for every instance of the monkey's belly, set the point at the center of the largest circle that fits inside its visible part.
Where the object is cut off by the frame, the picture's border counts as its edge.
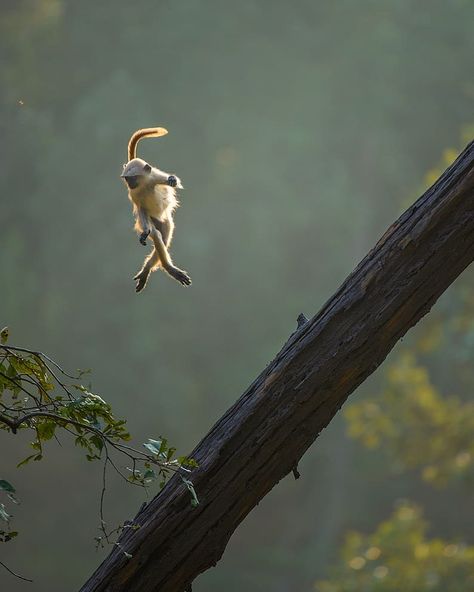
(156, 205)
(154, 208)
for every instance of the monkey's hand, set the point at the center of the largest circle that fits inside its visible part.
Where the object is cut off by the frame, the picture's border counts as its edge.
(143, 237)
(174, 181)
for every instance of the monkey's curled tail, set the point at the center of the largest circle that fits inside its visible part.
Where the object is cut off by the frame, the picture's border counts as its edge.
(147, 132)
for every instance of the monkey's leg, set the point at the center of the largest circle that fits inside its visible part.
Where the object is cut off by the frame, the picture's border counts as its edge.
(178, 274)
(142, 276)
(166, 227)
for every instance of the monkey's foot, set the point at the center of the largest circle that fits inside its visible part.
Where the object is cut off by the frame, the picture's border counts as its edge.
(143, 237)
(141, 280)
(180, 276)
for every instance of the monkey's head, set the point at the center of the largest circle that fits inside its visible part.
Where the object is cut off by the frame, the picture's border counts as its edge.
(135, 172)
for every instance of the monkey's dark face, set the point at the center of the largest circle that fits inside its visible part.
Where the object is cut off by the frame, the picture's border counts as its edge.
(135, 172)
(132, 181)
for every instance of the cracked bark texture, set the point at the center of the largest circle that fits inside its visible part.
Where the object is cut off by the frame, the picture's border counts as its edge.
(262, 436)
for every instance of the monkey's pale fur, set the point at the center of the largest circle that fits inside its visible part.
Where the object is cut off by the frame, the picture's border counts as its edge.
(152, 193)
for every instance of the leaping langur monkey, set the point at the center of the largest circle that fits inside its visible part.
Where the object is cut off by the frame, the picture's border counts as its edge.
(153, 195)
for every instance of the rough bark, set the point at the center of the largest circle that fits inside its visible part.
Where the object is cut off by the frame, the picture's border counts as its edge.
(263, 435)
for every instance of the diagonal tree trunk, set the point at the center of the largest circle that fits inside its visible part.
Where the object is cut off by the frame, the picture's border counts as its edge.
(263, 435)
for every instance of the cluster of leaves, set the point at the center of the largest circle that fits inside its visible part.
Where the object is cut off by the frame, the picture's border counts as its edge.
(419, 427)
(36, 394)
(398, 556)
(425, 429)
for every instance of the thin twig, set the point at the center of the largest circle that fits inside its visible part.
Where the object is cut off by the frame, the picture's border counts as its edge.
(22, 388)
(40, 355)
(15, 574)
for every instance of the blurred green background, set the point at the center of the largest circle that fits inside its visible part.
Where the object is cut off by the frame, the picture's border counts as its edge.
(300, 130)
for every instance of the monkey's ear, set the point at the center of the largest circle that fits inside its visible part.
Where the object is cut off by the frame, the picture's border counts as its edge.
(147, 168)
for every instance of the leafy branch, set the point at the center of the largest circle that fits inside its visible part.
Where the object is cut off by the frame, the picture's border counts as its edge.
(36, 394)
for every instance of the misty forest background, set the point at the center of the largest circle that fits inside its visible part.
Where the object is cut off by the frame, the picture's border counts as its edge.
(301, 130)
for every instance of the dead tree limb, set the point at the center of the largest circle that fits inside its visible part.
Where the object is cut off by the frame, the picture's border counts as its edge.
(263, 435)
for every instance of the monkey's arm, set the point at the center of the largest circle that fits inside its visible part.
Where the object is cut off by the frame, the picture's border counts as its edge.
(162, 178)
(165, 227)
(144, 224)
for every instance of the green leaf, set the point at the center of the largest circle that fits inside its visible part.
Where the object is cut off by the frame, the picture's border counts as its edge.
(184, 461)
(149, 475)
(11, 372)
(81, 441)
(151, 448)
(8, 536)
(4, 515)
(45, 429)
(190, 486)
(6, 486)
(159, 448)
(97, 441)
(25, 461)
